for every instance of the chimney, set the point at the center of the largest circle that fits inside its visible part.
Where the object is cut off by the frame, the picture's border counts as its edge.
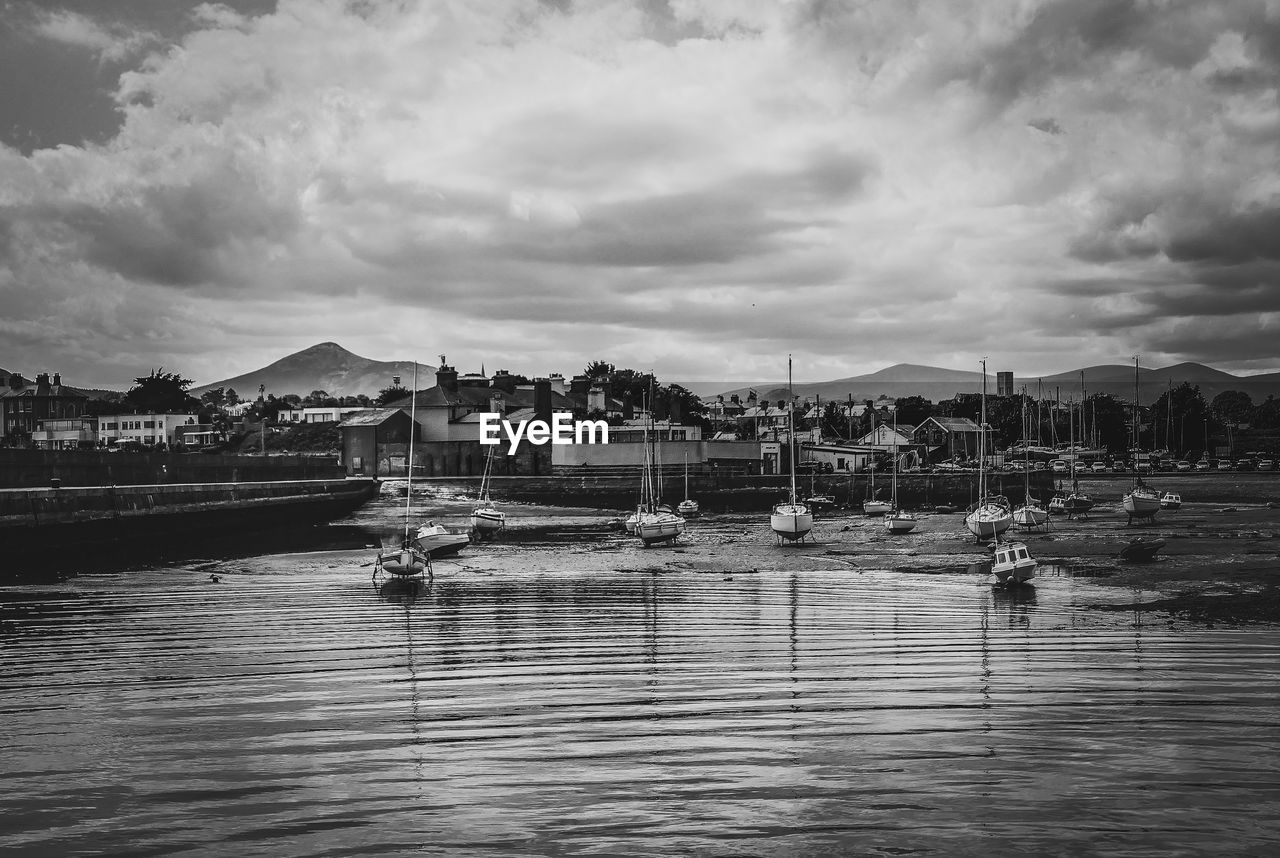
(579, 387)
(628, 406)
(504, 381)
(542, 399)
(16, 381)
(558, 383)
(735, 399)
(447, 376)
(596, 400)
(57, 379)
(497, 403)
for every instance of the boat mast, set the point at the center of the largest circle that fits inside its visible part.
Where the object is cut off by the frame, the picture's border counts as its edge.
(1136, 435)
(413, 424)
(895, 457)
(791, 431)
(1026, 451)
(982, 438)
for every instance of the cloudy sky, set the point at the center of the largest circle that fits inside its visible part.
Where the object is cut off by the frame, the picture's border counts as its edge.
(693, 186)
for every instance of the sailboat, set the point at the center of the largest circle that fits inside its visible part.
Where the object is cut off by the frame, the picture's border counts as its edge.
(991, 515)
(895, 520)
(872, 506)
(1030, 514)
(485, 518)
(409, 560)
(687, 507)
(1142, 501)
(654, 521)
(1076, 503)
(791, 521)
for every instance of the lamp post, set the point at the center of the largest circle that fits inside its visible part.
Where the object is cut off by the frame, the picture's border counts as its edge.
(262, 395)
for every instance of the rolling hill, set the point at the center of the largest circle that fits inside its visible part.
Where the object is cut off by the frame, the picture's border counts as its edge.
(325, 366)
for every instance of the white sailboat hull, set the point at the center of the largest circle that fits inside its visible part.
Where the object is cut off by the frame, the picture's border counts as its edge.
(487, 520)
(1030, 516)
(900, 522)
(988, 521)
(688, 508)
(438, 542)
(1141, 503)
(653, 527)
(791, 521)
(875, 507)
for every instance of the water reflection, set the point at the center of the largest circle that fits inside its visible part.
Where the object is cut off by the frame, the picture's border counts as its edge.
(290, 709)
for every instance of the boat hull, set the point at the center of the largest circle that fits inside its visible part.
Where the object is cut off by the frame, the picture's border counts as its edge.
(899, 523)
(876, 507)
(988, 521)
(488, 520)
(653, 528)
(1013, 564)
(688, 508)
(438, 542)
(791, 523)
(405, 563)
(1030, 516)
(1141, 505)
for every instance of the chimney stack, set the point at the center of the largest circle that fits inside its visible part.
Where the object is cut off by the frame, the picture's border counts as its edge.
(542, 399)
(447, 376)
(57, 379)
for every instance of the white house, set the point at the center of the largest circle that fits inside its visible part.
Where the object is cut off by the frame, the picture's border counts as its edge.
(331, 414)
(143, 428)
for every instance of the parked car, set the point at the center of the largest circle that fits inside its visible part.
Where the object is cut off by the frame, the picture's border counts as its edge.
(1266, 465)
(1099, 467)
(1119, 467)
(1202, 465)
(1183, 465)
(1143, 468)
(1245, 465)
(1059, 466)
(1224, 465)
(1166, 464)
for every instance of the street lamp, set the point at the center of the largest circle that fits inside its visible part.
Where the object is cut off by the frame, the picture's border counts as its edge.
(262, 394)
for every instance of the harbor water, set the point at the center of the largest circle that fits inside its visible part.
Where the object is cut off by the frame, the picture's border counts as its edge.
(563, 691)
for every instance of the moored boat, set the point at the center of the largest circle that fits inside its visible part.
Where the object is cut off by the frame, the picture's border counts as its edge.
(486, 519)
(897, 521)
(1171, 500)
(791, 521)
(991, 515)
(1012, 563)
(438, 541)
(409, 560)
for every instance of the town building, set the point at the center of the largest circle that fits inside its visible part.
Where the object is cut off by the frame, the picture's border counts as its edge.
(320, 414)
(65, 433)
(23, 404)
(147, 429)
(944, 438)
(1004, 384)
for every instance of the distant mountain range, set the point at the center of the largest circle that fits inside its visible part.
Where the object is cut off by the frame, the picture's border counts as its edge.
(936, 383)
(330, 367)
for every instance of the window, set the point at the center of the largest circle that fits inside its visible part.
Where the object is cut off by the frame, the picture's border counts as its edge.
(149, 424)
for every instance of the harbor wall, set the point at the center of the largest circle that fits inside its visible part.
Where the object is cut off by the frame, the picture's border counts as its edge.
(46, 468)
(50, 521)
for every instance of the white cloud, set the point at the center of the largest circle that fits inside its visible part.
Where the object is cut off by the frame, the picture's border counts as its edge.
(708, 187)
(108, 43)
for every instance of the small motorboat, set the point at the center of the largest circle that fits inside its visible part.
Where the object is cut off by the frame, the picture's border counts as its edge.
(1058, 504)
(1076, 504)
(1170, 500)
(438, 541)
(1012, 563)
(1141, 549)
(820, 503)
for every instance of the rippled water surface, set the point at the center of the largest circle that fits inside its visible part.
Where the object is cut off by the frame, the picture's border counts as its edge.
(296, 708)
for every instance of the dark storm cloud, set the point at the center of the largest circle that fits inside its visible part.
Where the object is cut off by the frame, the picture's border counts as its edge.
(1229, 239)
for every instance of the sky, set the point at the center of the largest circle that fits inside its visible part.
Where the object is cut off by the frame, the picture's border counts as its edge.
(694, 187)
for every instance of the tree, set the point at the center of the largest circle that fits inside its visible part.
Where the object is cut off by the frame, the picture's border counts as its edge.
(1267, 414)
(159, 393)
(1233, 406)
(233, 398)
(1182, 425)
(391, 393)
(914, 410)
(215, 398)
